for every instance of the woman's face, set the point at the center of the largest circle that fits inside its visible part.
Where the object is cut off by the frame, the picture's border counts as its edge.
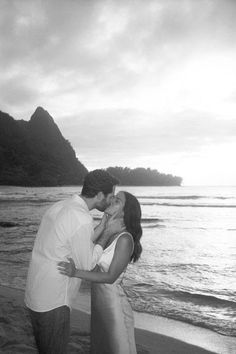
(117, 205)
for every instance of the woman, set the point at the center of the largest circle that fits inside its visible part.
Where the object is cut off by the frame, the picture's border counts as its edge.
(112, 323)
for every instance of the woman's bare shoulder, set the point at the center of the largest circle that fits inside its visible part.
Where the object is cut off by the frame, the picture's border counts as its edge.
(125, 239)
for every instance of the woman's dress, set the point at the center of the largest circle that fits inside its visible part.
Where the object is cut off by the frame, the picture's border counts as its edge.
(112, 322)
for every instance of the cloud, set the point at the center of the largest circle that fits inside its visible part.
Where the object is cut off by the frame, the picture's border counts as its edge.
(108, 45)
(130, 135)
(125, 80)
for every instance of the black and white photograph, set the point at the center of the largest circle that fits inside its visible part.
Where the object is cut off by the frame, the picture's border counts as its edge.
(117, 176)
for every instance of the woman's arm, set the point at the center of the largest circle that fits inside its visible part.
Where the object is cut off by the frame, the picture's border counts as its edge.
(121, 258)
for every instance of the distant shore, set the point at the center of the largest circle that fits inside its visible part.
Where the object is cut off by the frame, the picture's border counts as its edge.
(80, 185)
(153, 334)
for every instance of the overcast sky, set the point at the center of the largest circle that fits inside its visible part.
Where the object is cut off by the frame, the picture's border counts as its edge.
(129, 83)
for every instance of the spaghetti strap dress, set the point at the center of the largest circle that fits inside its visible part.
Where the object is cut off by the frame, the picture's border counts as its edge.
(112, 321)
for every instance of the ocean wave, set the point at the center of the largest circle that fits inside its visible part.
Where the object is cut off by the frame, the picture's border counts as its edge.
(8, 224)
(141, 285)
(16, 251)
(16, 262)
(199, 298)
(191, 205)
(29, 200)
(163, 290)
(147, 220)
(21, 197)
(167, 304)
(153, 201)
(152, 226)
(144, 219)
(184, 197)
(24, 223)
(224, 328)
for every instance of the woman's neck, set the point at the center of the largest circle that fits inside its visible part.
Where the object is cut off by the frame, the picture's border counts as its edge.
(113, 237)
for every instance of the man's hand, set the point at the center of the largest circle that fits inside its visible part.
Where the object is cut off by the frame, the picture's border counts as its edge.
(103, 222)
(67, 268)
(113, 226)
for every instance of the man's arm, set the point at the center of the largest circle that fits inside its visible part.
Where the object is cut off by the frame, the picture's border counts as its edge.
(112, 226)
(121, 258)
(99, 228)
(84, 253)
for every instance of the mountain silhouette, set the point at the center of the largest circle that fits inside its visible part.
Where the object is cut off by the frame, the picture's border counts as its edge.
(34, 153)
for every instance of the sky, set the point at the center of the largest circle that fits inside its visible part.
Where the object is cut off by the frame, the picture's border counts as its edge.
(136, 83)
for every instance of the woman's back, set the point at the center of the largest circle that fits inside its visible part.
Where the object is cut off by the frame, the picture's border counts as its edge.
(112, 323)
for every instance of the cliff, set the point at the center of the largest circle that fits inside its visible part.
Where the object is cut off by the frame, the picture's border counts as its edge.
(35, 153)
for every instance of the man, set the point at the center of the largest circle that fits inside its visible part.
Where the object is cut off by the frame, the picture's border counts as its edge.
(66, 230)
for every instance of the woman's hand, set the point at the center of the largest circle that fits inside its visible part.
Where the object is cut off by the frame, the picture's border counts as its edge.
(67, 268)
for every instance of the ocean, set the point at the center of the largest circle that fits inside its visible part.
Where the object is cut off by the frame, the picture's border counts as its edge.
(187, 268)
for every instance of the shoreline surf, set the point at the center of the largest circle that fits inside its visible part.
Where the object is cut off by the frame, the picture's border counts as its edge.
(151, 332)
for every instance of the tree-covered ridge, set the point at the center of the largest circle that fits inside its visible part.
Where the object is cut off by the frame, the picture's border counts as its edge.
(143, 177)
(35, 153)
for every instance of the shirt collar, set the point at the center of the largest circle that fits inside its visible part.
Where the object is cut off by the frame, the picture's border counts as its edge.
(80, 201)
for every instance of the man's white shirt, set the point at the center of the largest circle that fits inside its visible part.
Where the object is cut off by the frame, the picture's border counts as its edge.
(66, 230)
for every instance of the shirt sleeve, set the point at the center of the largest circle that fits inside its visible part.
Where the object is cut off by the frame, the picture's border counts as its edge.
(84, 253)
(97, 253)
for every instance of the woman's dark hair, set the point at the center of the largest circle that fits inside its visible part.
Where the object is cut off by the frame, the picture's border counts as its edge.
(98, 181)
(132, 220)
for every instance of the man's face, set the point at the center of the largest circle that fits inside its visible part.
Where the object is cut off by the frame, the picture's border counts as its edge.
(106, 201)
(117, 205)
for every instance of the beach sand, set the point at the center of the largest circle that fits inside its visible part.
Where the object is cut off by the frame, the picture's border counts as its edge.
(153, 334)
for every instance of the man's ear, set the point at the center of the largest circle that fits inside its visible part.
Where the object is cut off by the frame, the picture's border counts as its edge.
(100, 196)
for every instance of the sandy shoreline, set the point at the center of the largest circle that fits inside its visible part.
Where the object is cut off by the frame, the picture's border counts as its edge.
(153, 334)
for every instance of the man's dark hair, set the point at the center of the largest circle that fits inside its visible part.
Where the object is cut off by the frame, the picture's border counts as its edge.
(98, 181)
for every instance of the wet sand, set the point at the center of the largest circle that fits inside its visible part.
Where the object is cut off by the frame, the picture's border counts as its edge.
(153, 334)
